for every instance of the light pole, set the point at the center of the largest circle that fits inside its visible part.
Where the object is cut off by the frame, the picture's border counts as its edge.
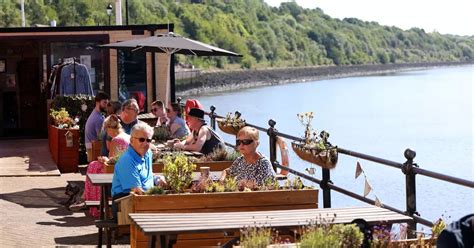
(109, 11)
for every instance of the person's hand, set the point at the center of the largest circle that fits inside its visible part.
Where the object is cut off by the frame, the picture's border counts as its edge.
(178, 146)
(160, 181)
(103, 159)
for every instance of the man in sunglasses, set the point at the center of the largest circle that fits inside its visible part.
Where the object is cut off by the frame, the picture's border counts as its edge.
(133, 171)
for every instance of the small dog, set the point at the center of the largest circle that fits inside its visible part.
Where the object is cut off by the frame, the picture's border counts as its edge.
(74, 192)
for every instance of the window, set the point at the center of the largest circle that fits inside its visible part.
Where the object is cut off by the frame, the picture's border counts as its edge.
(87, 54)
(132, 77)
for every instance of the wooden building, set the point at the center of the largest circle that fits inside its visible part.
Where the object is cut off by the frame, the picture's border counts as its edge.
(28, 54)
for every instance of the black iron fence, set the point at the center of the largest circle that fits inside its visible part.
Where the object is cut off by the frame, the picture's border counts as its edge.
(409, 168)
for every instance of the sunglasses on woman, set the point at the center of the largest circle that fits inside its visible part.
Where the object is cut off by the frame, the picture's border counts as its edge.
(154, 109)
(142, 139)
(243, 142)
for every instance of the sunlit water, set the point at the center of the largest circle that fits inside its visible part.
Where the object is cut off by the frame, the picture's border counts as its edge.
(429, 111)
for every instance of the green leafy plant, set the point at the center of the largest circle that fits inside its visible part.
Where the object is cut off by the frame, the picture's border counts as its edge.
(61, 118)
(155, 190)
(230, 184)
(247, 185)
(295, 183)
(161, 133)
(178, 171)
(221, 154)
(255, 237)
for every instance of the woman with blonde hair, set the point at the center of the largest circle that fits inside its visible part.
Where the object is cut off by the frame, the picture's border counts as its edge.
(116, 146)
(252, 165)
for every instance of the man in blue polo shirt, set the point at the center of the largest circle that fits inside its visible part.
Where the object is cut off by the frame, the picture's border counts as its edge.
(133, 171)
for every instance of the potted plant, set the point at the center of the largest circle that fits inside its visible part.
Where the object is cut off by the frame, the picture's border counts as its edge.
(315, 148)
(178, 172)
(231, 124)
(63, 137)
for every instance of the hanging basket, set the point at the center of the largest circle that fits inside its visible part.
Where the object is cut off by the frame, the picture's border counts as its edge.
(326, 159)
(229, 128)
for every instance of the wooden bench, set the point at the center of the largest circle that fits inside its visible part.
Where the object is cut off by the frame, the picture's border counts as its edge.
(167, 225)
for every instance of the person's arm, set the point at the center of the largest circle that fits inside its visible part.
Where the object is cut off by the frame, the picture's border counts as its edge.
(189, 145)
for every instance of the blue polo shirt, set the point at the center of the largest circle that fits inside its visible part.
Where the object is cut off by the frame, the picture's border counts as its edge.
(132, 171)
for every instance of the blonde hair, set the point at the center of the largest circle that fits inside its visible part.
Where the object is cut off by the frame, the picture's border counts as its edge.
(112, 121)
(250, 132)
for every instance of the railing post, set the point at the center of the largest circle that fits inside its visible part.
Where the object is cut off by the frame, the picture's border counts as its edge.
(326, 190)
(212, 116)
(410, 174)
(272, 138)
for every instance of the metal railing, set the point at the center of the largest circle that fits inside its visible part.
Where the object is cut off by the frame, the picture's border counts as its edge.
(409, 168)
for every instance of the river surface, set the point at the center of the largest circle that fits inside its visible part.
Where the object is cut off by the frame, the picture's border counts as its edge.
(429, 111)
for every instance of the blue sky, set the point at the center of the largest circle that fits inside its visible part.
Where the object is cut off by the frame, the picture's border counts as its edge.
(446, 17)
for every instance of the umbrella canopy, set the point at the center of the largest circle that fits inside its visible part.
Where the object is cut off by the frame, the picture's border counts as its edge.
(171, 43)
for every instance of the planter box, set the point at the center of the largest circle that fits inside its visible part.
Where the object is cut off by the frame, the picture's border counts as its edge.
(210, 202)
(158, 167)
(65, 157)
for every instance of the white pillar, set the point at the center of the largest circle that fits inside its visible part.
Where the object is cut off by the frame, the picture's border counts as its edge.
(118, 12)
(22, 6)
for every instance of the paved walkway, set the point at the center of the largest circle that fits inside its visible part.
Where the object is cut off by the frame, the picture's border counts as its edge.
(31, 211)
(29, 157)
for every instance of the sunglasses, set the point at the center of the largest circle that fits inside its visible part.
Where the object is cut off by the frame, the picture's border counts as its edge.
(154, 109)
(243, 142)
(142, 139)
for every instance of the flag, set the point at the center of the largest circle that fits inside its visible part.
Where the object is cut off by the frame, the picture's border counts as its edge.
(367, 188)
(377, 202)
(358, 170)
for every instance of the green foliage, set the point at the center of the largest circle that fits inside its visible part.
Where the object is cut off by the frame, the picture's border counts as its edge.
(288, 35)
(255, 237)
(161, 133)
(230, 184)
(326, 235)
(178, 171)
(155, 190)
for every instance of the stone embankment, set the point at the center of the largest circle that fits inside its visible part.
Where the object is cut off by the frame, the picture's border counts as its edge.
(212, 82)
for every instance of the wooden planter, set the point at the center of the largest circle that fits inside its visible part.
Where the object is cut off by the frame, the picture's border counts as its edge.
(210, 202)
(65, 154)
(326, 159)
(229, 129)
(158, 167)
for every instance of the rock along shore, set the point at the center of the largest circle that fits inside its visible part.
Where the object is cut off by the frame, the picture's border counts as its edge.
(213, 82)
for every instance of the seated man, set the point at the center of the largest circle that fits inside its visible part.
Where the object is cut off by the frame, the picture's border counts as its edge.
(133, 171)
(202, 139)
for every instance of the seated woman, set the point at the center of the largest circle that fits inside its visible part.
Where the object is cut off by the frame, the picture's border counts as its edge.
(202, 139)
(117, 145)
(252, 165)
(158, 110)
(178, 127)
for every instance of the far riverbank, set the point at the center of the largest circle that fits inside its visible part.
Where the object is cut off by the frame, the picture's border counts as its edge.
(213, 82)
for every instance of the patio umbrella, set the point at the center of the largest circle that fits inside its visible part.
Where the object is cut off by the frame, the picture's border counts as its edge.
(170, 43)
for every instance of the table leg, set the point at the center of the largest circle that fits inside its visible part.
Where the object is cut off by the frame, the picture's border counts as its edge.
(101, 213)
(163, 241)
(152, 241)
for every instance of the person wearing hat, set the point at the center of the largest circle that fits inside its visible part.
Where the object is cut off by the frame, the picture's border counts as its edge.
(202, 139)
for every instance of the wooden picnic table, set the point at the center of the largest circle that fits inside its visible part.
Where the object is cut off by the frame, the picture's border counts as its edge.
(166, 225)
(105, 182)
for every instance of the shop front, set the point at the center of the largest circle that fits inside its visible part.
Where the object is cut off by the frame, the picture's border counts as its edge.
(30, 56)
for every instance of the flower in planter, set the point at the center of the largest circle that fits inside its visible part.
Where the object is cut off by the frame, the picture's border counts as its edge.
(231, 124)
(61, 118)
(315, 148)
(255, 237)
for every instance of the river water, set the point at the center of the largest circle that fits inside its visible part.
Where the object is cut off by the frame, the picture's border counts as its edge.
(429, 111)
